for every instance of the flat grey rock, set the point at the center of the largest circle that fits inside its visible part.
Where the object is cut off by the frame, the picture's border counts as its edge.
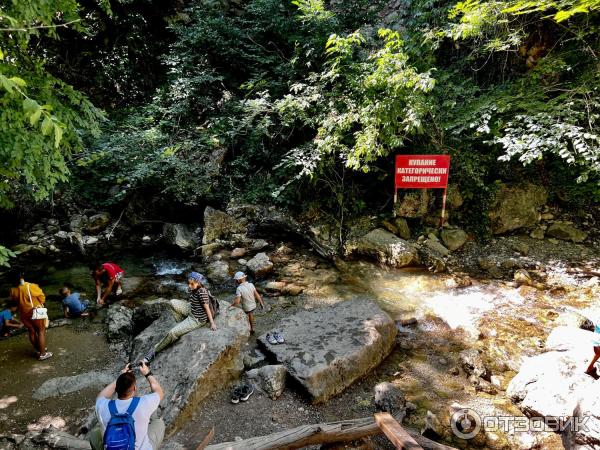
(199, 363)
(327, 349)
(65, 385)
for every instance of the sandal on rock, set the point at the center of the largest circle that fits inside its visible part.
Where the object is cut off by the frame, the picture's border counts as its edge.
(45, 356)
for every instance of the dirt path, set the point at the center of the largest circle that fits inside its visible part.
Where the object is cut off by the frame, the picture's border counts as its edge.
(77, 348)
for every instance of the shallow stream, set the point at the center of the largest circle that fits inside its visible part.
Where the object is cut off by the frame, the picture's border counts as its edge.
(516, 318)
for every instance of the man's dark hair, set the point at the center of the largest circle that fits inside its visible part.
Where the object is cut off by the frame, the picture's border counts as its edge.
(124, 383)
(63, 290)
(95, 265)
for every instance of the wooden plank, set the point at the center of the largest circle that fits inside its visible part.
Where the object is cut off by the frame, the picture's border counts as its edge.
(395, 433)
(209, 437)
(321, 433)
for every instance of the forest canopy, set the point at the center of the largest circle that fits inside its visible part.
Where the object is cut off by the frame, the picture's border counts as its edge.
(306, 99)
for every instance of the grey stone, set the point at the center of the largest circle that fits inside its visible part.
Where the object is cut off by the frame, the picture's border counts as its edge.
(238, 252)
(453, 239)
(388, 398)
(271, 379)
(520, 247)
(554, 384)
(260, 265)
(385, 247)
(179, 235)
(219, 225)
(119, 321)
(402, 227)
(218, 272)
(78, 222)
(433, 427)
(97, 223)
(259, 244)
(538, 233)
(254, 359)
(522, 277)
(52, 438)
(90, 240)
(566, 232)
(472, 363)
(436, 247)
(199, 363)
(327, 349)
(65, 385)
(516, 207)
(148, 312)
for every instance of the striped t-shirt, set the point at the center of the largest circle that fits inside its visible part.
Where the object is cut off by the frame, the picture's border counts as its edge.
(199, 298)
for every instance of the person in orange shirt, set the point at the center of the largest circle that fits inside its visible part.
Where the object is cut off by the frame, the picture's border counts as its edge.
(29, 296)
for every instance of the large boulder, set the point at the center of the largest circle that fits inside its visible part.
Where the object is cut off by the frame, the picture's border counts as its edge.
(260, 265)
(453, 239)
(566, 232)
(516, 207)
(385, 247)
(553, 384)
(179, 235)
(199, 363)
(327, 349)
(97, 223)
(219, 225)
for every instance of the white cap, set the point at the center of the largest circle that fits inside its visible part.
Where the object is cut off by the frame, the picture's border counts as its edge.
(239, 276)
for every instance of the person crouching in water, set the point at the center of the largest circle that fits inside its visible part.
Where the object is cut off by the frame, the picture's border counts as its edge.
(200, 310)
(247, 294)
(30, 296)
(108, 274)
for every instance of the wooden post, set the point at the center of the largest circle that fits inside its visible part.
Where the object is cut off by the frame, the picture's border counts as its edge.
(395, 433)
(443, 209)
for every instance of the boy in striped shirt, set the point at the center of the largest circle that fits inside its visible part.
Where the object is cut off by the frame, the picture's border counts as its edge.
(191, 315)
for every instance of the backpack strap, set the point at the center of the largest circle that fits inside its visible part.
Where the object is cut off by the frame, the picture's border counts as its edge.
(133, 405)
(112, 408)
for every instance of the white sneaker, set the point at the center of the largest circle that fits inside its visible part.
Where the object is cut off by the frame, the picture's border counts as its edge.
(119, 291)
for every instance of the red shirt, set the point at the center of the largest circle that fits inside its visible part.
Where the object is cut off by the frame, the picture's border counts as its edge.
(112, 269)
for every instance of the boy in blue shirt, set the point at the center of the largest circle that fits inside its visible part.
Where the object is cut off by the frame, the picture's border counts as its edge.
(8, 324)
(73, 306)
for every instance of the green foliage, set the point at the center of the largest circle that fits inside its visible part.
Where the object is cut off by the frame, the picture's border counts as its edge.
(41, 117)
(5, 255)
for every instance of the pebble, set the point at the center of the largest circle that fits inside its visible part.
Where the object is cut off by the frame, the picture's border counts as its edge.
(301, 409)
(146, 238)
(237, 439)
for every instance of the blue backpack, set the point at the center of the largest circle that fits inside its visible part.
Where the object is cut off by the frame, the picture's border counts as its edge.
(120, 431)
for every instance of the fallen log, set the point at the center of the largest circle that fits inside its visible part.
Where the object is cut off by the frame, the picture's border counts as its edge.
(320, 433)
(395, 433)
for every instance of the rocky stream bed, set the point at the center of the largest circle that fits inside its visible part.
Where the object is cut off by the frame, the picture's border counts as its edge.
(456, 336)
